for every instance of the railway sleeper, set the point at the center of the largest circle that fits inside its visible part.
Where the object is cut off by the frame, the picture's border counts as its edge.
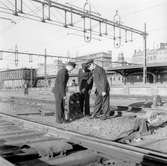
(53, 152)
(15, 148)
(49, 149)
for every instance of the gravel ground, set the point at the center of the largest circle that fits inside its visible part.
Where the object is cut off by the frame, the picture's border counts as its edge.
(109, 129)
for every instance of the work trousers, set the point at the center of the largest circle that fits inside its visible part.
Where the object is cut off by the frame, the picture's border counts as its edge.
(102, 104)
(59, 100)
(85, 105)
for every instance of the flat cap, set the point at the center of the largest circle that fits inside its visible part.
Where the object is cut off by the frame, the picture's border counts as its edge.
(90, 61)
(73, 64)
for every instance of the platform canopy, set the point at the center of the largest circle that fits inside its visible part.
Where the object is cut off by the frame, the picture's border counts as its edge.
(153, 69)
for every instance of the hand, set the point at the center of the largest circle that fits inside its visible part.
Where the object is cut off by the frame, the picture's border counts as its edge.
(83, 90)
(89, 91)
(103, 93)
(64, 97)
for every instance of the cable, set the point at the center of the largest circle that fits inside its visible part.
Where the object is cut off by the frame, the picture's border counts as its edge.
(5, 5)
(55, 22)
(8, 19)
(30, 8)
(10, 3)
(141, 10)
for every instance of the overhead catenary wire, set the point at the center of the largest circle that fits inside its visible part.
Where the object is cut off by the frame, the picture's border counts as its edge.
(93, 16)
(54, 22)
(16, 52)
(144, 9)
(74, 27)
(5, 5)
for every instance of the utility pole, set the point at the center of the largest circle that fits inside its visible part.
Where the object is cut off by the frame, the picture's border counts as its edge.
(15, 11)
(45, 68)
(31, 76)
(145, 56)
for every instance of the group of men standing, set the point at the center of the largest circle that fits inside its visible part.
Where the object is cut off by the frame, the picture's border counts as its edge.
(89, 73)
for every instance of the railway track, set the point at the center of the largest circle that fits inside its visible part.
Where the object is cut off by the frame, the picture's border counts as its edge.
(24, 141)
(29, 145)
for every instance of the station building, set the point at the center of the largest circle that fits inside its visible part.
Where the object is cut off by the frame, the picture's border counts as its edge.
(124, 74)
(103, 59)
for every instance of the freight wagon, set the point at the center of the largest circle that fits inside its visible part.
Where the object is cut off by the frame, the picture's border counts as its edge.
(17, 77)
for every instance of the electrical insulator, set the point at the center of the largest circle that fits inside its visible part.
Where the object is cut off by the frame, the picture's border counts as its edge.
(100, 33)
(65, 19)
(71, 23)
(49, 6)
(126, 36)
(117, 30)
(87, 22)
(43, 12)
(131, 37)
(106, 29)
(117, 18)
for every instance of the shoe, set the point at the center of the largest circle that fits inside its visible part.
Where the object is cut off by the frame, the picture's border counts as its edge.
(93, 117)
(104, 117)
(59, 122)
(66, 121)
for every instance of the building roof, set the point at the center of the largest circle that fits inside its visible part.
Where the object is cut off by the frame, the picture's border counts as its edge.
(17, 69)
(93, 54)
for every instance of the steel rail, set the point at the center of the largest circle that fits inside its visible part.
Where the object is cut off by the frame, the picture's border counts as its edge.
(106, 147)
(94, 17)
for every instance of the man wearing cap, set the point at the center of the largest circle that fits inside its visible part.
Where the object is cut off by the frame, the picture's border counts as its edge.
(102, 101)
(59, 90)
(85, 81)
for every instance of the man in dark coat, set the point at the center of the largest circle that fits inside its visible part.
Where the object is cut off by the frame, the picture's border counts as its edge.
(59, 90)
(85, 81)
(26, 88)
(102, 101)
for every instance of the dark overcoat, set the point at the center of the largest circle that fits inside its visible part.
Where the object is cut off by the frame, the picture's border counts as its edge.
(85, 80)
(100, 80)
(59, 91)
(59, 88)
(102, 103)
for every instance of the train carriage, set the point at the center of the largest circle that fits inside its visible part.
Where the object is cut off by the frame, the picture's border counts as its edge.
(16, 78)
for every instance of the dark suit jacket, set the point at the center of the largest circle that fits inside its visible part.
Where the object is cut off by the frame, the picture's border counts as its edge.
(85, 80)
(100, 80)
(59, 88)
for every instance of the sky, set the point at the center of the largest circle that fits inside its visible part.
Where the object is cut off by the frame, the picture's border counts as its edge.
(34, 36)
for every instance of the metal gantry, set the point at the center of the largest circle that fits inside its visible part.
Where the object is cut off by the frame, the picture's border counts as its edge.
(87, 16)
